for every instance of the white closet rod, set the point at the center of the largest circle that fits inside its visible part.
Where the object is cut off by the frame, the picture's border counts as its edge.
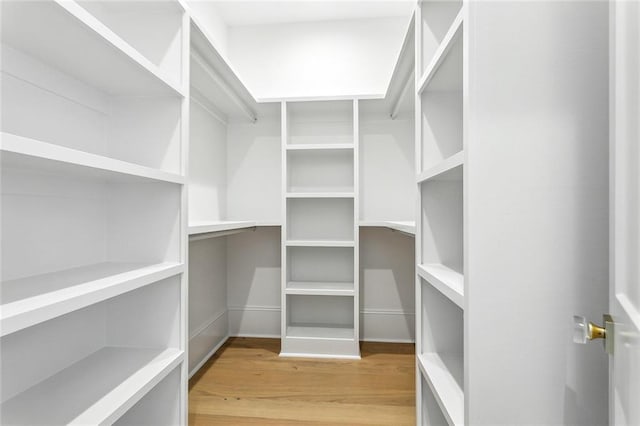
(405, 88)
(249, 113)
(198, 98)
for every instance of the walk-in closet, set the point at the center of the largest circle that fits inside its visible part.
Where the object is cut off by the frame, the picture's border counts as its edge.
(378, 212)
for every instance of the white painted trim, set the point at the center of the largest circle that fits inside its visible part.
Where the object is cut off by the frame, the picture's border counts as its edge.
(298, 355)
(208, 356)
(254, 308)
(257, 336)
(206, 324)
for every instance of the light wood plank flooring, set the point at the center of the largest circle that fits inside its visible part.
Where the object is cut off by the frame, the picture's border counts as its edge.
(247, 383)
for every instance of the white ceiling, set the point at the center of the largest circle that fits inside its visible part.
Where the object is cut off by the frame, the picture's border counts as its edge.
(257, 12)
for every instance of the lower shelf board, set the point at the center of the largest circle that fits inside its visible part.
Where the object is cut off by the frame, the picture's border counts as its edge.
(320, 288)
(31, 300)
(321, 332)
(95, 390)
(320, 243)
(443, 373)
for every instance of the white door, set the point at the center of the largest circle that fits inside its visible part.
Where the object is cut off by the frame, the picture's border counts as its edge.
(624, 300)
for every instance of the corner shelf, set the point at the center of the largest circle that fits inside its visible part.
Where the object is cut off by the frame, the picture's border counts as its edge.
(97, 389)
(206, 227)
(447, 281)
(446, 389)
(65, 34)
(406, 227)
(445, 169)
(36, 299)
(320, 288)
(452, 37)
(26, 153)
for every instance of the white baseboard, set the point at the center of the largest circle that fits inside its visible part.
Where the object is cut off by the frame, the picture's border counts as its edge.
(376, 325)
(206, 340)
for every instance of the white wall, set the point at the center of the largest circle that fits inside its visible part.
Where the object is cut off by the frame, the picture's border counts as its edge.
(387, 283)
(349, 57)
(208, 324)
(253, 282)
(209, 18)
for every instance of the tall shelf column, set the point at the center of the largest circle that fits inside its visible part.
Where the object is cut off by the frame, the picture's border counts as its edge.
(440, 158)
(320, 304)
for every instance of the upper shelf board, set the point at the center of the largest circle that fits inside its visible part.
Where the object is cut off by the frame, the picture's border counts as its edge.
(207, 227)
(444, 72)
(447, 281)
(448, 169)
(66, 36)
(29, 154)
(215, 79)
(398, 99)
(407, 227)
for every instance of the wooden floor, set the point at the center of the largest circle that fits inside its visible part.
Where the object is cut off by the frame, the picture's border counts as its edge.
(247, 383)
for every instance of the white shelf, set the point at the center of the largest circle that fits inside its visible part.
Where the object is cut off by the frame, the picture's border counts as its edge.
(408, 227)
(29, 154)
(205, 227)
(32, 300)
(443, 384)
(453, 36)
(448, 169)
(403, 72)
(320, 332)
(447, 281)
(320, 288)
(320, 195)
(318, 146)
(66, 36)
(96, 390)
(320, 243)
(214, 77)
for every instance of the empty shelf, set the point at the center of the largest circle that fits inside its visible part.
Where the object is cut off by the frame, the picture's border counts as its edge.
(320, 332)
(30, 154)
(445, 280)
(318, 146)
(95, 390)
(408, 227)
(320, 243)
(31, 300)
(66, 36)
(205, 227)
(453, 36)
(448, 169)
(320, 195)
(320, 288)
(437, 371)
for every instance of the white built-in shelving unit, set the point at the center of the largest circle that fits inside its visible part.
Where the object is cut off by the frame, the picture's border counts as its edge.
(234, 197)
(320, 304)
(440, 157)
(93, 143)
